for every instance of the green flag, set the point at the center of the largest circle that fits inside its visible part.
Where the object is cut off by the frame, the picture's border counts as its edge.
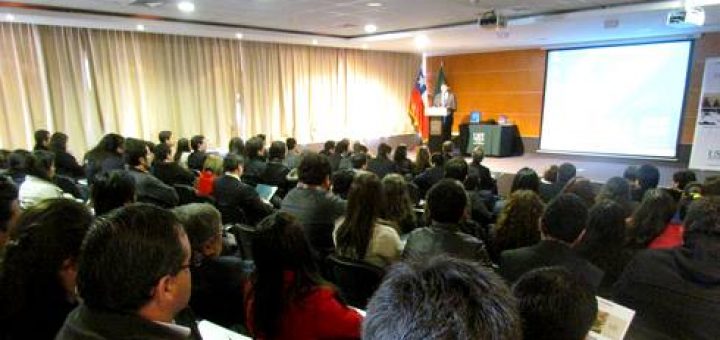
(439, 82)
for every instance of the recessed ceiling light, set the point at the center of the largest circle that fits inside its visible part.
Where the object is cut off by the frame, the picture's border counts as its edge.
(9, 17)
(374, 4)
(421, 40)
(186, 6)
(370, 28)
(239, 35)
(140, 27)
(365, 46)
(314, 41)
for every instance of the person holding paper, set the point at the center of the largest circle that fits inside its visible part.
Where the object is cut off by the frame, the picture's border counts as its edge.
(447, 100)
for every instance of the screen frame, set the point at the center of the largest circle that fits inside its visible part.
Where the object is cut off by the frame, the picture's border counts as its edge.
(678, 134)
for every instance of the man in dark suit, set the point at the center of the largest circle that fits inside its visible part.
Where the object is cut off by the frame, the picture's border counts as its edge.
(429, 177)
(149, 189)
(340, 159)
(447, 100)
(382, 165)
(197, 157)
(566, 172)
(480, 173)
(562, 225)
(276, 171)
(230, 192)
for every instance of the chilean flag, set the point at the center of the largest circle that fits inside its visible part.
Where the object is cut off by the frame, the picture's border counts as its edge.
(417, 105)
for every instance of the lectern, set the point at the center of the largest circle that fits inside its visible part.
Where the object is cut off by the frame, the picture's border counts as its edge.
(436, 116)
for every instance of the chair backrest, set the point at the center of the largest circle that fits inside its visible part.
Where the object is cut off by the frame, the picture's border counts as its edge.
(356, 280)
(244, 235)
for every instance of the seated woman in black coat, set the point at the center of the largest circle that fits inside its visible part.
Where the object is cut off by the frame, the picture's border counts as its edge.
(217, 282)
(65, 163)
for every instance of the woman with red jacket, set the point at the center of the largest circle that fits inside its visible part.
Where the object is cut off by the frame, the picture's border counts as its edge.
(287, 298)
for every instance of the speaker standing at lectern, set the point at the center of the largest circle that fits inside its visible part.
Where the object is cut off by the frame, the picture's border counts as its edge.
(446, 99)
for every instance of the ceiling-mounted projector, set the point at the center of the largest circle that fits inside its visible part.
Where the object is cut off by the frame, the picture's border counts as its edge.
(491, 19)
(687, 17)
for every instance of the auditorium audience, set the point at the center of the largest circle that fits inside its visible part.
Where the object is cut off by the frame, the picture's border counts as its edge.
(565, 173)
(457, 169)
(196, 159)
(148, 188)
(442, 298)
(525, 179)
(165, 137)
(9, 211)
(340, 158)
(42, 140)
(361, 234)
(167, 170)
(134, 279)
(554, 304)
(17, 165)
(312, 203)
(650, 226)
(65, 163)
(674, 291)
(648, 177)
(481, 173)
(107, 155)
(397, 206)
(255, 163)
(37, 281)
(561, 227)
(212, 169)
(617, 189)
(287, 298)
(447, 150)
(359, 162)
(342, 181)
(550, 174)
(517, 224)
(382, 165)
(182, 152)
(422, 160)
(604, 243)
(292, 159)
(631, 175)
(38, 184)
(276, 171)
(328, 148)
(217, 281)
(583, 188)
(112, 190)
(403, 165)
(231, 193)
(430, 176)
(682, 178)
(446, 208)
(236, 146)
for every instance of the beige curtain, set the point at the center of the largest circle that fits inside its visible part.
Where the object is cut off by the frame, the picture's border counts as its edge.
(88, 82)
(316, 93)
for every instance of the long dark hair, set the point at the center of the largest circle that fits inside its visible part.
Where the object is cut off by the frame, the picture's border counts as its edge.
(45, 236)
(517, 225)
(280, 248)
(183, 145)
(237, 146)
(107, 147)
(527, 179)
(422, 159)
(605, 231)
(397, 205)
(363, 209)
(651, 217)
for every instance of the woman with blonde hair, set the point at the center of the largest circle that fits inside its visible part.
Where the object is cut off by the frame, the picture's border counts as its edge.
(212, 168)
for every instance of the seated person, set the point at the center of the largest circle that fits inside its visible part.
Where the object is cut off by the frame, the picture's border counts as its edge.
(443, 298)
(429, 177)
(341, 182)
(167, 170)
(230, 191)
(37, 281)
(148, 188)
(212, 169)
(561, 227)
(312, 203)
(65, 162)
(447, 204)
(133, 276)
(276, 171)
(565, 173)
(340, 158)
(196, 159)
(361, 235)
(675, 291)
(287, 298)
(255, 163)
(112, 190)
(382, 165)
(554, 304)
(481, 173)
(217, 281)
(38, 184)
(9, 211)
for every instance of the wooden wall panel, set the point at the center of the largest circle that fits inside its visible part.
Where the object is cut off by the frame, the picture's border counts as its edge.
(511, 83)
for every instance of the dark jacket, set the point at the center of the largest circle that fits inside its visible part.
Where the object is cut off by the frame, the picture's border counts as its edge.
(483, 173)
(217, 291)
(84, 323)
(196, 160)
(276, 175)
(340, 161)
(317, 210)
(253, 171)
(675, 292)
(404, 166)
(438, 239)
(548, 191)
(67, 165)
(547, 253)
(231, 192)
(172, 174)
(428, 178)
(104, 164)
(149, 189)
(381, 167)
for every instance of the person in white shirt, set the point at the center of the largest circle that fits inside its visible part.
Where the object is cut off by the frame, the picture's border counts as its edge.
(38, 184)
